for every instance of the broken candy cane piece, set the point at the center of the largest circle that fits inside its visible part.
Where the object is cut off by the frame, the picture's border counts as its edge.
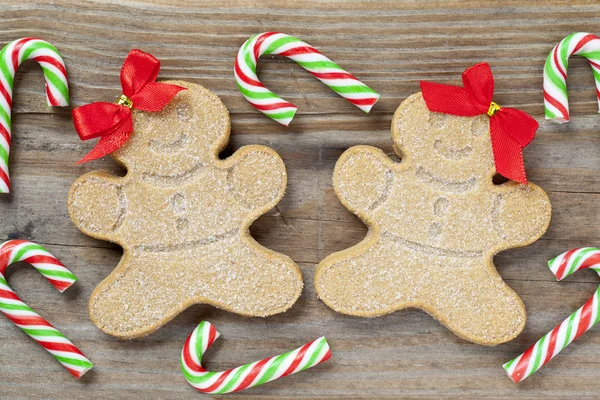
(249, 375)
(309, 58)
(28, 320)
(571, 328)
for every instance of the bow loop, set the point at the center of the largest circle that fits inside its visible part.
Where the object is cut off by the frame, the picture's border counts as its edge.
(510, 129)
(139, 69)
(113, 123)
(479, 84)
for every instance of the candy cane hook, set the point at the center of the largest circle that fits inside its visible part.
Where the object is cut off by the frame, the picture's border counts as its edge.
(57, 90)
(328, 72)
(249, 375)
(571, 328)
(556, 101)
(28, 320)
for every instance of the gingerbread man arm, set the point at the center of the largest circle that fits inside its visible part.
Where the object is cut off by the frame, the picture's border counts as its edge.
(514, 202)
(97, 205)
(257, 178)
(362, 179)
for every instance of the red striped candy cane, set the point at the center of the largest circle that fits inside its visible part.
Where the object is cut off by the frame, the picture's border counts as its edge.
(57, 90)
(328, 72)
(249, 375)
(556, 101)
(28, 320)
(571, 328)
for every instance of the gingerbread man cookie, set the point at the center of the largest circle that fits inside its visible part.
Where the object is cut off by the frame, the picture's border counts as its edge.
(435, 222)
(182, 215)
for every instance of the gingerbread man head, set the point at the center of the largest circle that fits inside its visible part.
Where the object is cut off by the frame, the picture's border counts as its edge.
(436, 219)
(453, 149)
(188, 133)
(181, 215)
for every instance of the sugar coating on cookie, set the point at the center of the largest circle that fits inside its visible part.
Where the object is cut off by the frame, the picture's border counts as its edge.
(181, 215)
(436, 219)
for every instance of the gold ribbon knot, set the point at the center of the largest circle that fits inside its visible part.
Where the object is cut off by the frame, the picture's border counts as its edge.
(126, 101)
(494, 108)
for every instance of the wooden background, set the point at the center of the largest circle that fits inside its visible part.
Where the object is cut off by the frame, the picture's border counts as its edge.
(388, 45)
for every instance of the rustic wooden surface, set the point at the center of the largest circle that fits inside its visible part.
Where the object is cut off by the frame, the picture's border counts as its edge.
(391, 46)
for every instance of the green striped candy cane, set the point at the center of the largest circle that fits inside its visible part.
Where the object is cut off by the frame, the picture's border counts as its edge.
(556, 101)
(57, 91)
(571, 328)
(28, 320)
(249, 375)
(328, 72)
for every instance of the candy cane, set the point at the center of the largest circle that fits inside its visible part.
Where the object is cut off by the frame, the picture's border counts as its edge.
(249, 375)
(328, 72)
(57, 91)
(556, 102)
(28, 320)
(571, 328)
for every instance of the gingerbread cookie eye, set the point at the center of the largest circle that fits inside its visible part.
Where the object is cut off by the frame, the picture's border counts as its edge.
(182, 217)
(437, 120)
(480, 126)
(452, 153)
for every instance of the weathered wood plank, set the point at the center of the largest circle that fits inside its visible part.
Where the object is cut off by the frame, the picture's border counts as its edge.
(390, 45)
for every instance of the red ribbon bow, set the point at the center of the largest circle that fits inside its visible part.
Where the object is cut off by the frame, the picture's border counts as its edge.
(510, 129)
(113, 123)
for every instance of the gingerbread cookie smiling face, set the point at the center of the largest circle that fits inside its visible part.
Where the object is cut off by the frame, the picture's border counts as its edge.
(182, 215)
(435, 222)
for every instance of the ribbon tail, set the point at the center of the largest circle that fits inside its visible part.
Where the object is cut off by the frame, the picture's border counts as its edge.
(520, 126)
(508, 154)
(139, 69)
(110, 143)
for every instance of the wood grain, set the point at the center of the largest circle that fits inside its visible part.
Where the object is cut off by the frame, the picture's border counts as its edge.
(390, 45)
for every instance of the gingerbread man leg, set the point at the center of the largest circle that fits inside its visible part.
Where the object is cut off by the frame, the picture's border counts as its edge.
(473, 301)
(465, 294)
(227, 273)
